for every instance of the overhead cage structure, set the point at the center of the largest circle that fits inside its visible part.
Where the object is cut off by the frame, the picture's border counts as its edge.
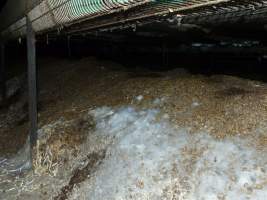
(253, 11)
(49, 14)
(84, 15)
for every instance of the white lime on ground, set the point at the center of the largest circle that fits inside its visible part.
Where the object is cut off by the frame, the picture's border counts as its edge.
(151, 159)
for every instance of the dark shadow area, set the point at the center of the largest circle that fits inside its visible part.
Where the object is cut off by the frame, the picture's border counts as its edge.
(243, 58)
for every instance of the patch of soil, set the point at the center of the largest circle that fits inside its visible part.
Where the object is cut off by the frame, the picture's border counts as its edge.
(134, 75)
(5, 104)
(80, 175)
(12, 140)
(232, 91)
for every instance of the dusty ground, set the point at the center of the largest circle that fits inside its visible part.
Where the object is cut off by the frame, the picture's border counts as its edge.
(220, 105)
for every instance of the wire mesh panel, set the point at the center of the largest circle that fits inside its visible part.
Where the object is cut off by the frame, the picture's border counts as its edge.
(55, 13)
(51, 14)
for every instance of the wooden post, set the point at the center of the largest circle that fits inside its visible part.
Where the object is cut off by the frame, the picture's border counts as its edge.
(32, 84)
(3, 72)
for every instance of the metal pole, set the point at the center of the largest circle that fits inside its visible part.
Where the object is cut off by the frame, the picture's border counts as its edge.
(32, 84)
(3, 73)
(69, 46)
(165, 55)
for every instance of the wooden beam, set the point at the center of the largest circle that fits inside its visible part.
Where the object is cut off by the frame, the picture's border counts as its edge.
(32, 85)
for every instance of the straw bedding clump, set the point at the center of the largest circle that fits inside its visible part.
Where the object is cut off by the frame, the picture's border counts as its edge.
(59, 143)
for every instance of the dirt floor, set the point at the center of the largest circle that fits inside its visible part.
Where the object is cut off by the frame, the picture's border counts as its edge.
(221, 106)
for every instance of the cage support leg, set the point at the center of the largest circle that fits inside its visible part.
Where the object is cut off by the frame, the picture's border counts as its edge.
(3, 73)
(165, 55)
(69, 46)
(32, 85)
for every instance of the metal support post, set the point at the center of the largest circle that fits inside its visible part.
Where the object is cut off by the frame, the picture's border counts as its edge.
(2, 72)
(32, 84)
(165, 55)
(69, 47)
